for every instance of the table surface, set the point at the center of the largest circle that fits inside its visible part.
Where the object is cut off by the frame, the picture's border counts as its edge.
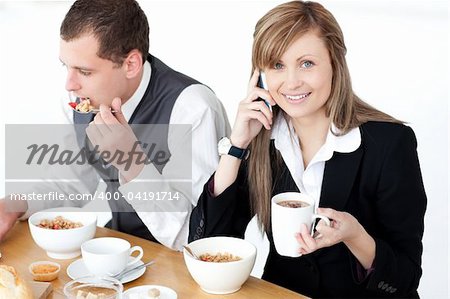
(19, 250)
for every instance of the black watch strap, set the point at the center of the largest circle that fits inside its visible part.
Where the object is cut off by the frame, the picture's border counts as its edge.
(238, 152)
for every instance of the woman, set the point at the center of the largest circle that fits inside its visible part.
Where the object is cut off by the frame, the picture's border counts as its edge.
(321, 139)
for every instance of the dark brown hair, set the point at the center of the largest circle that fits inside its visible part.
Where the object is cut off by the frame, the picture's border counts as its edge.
(273, 35)
(119, 25)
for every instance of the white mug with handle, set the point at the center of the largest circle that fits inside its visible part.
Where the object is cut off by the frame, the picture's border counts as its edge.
(289, 211)
(109, 256)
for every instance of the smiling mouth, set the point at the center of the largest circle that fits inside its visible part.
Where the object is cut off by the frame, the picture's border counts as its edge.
(298, 98)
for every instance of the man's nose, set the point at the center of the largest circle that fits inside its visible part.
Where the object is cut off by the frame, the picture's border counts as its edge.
(72, 83)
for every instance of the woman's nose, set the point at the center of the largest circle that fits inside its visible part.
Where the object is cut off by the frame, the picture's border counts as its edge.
(294, 79)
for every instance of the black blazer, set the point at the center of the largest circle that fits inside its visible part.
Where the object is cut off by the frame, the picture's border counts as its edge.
(380, 184)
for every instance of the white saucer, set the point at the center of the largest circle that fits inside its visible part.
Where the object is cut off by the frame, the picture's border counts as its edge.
(165, 292)
(77, 269)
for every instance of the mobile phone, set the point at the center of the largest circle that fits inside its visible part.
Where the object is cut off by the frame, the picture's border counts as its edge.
(262, 83)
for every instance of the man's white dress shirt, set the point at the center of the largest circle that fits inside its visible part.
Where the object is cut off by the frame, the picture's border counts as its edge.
(197, 106)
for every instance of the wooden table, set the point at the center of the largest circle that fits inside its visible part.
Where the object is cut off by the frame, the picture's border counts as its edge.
(19, 250)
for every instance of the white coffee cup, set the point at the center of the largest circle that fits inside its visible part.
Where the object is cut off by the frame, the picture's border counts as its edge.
(287, 221)
(108, 256)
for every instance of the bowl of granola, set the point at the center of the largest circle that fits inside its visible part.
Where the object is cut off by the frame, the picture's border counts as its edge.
(61, 231)
(223, 264)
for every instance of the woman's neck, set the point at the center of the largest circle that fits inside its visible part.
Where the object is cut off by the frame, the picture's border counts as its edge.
(312, 134)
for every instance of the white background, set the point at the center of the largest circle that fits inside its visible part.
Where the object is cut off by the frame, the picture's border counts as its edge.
(397, 54)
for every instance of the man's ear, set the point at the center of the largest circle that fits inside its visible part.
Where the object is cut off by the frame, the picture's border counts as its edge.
(133, 63)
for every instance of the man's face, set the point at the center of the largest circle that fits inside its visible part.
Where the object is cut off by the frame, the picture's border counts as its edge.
(88, 75)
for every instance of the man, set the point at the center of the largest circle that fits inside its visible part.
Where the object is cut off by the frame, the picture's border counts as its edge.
(104, 46)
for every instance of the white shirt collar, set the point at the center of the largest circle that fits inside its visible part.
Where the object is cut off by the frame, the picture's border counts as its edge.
(283, 133)
(344, 143)
(130, 105)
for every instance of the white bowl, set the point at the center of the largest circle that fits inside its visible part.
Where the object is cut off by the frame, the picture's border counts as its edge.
(63, 244)
(221, 278)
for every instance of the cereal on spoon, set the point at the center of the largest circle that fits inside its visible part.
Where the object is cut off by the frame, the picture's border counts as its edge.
(84, 106)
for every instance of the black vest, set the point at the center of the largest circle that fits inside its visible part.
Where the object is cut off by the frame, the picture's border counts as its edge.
(154, 108)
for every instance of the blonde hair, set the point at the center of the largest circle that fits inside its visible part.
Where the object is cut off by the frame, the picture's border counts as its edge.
(273, 35)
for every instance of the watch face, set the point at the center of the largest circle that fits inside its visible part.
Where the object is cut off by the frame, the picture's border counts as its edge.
(224, 146)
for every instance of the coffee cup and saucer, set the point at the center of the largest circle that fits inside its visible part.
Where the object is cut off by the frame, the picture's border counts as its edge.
(107, 257)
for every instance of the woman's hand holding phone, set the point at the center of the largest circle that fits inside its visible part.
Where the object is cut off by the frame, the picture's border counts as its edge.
(252, 114)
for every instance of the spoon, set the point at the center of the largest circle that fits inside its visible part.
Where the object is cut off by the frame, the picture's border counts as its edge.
(120, 275)
(191, 252)
(93, 110)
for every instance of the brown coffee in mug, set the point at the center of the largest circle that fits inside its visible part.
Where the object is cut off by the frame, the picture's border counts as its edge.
(293, 204)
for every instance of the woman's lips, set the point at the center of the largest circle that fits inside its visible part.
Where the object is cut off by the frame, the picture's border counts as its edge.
(297, 98)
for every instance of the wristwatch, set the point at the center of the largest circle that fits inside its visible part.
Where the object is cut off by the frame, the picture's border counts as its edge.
(226, 148)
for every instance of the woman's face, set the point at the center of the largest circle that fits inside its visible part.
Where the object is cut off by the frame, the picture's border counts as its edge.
(300, 83)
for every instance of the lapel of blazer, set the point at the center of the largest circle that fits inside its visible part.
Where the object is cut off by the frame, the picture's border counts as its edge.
(338, 178)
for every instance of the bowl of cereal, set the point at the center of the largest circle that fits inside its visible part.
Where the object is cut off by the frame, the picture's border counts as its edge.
(61, 231)
(224, 263)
